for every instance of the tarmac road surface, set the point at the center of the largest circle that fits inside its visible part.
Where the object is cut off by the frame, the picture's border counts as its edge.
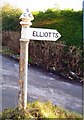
(41, 86)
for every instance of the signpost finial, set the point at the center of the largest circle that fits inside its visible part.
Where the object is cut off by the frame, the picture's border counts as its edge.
(27, 15)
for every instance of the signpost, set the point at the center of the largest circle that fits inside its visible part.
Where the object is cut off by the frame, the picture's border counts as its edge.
(42, 34)
(26, 18)
(26, 34)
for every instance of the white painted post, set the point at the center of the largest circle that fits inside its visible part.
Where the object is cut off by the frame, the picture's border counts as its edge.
(26, 18)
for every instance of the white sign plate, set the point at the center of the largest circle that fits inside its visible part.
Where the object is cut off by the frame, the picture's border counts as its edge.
(41, 34)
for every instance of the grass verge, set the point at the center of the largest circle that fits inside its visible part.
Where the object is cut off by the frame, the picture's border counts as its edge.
(40, 111)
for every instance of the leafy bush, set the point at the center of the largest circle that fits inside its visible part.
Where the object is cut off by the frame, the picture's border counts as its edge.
(10, 17)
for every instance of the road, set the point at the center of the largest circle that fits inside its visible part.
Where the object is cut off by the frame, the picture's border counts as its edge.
(41, 86)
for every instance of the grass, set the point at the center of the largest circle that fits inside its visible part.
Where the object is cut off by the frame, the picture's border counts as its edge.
(40, 111)
(6, 51)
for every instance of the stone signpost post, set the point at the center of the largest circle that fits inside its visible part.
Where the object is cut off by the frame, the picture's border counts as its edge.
(26, 34)
(26, 18)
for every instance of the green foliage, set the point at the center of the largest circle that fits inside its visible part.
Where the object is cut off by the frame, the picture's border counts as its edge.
(40, 111)
(6, 51)
(10, 17)
(67, 22)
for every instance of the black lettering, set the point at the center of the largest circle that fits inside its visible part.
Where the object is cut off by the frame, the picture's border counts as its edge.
(53, 34)
(37, 34)
(56, 35)
(27, 10)
(49, 34)
(46, 34)
(24, 14)
(29, 15)
(34, 33)
(41, 34)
